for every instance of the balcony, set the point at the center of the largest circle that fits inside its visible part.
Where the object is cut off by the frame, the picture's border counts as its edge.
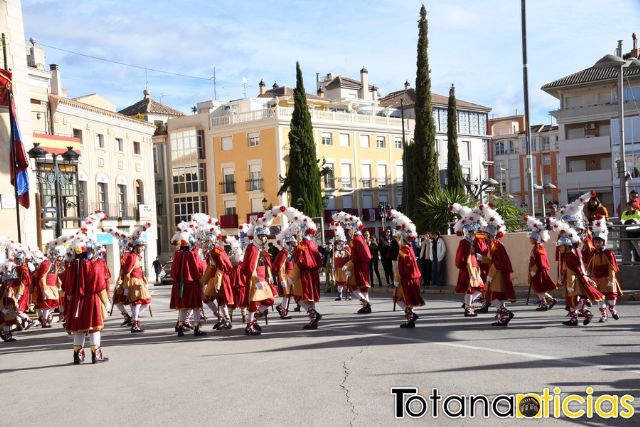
(254, 184)
(588, 179)
(366, 183)
(382, 181)
(228, 221)
(116, 211)
(346, 183)
(227, 187)
(586, 146)
(329, 182)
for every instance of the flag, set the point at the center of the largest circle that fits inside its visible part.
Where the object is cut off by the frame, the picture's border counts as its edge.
(19, 166)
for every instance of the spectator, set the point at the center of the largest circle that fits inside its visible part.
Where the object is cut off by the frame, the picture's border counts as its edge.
(375, 257)
(424, 259)
(594, 208)
(633, 197)
(273, 251)
(438, 260)
(157, 268)
(386, 257)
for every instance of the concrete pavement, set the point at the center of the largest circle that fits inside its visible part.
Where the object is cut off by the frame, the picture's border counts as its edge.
(340, 374)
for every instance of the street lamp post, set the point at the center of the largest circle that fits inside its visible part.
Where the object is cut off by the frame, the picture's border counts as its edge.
(476, 188)
(54, 176)
(382, 210)
(542, 188)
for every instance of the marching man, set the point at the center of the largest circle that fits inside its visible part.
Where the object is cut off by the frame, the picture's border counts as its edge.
(134, 280)
(46, 295)
(360, 257)
(539, 267)
(499, 282)
(186, 271)
(341, 257)
(85, 287)
(469, 279)
(603, 267)
(283, 266)
(407, 277)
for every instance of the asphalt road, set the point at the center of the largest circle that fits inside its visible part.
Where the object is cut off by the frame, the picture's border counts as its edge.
(338, 375)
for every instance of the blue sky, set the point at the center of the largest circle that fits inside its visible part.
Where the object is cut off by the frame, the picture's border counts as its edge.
(474, 44)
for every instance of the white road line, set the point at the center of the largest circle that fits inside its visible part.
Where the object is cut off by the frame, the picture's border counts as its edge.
(491, 350)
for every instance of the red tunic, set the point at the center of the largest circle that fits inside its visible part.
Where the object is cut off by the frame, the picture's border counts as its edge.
(186, 270)
(467, 263)
(250, 268)
(132, 267)
(542, 281)
(603, 267)
(584, 289)
(501, 286)
(409, 277)
(50, 276)
(587, 246)
(223, 263)
(360, 256)
(279, 262)
(238, 286)
(309, 261)
(85, 288)
(25, 277)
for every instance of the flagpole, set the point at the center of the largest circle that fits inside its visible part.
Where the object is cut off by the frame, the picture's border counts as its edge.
(11, 136)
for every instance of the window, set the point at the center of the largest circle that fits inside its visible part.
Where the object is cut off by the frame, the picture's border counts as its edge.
(185, 207)
(399, 173)
(546, 143)
(382, 175)
(464, 150)
(139, 187)
(122, 200)
(345, 179)
(347, 202)
(188, 179)
(364, 141)
(344, 139)
(103, 196)
(329, 178)
(184, 146)
(155, 159)
(326, 138)
(228, 184)
(200, 143)
(230, 207)
(254, 139)
(367, 201)
(77, 133)
(136, 148)
(380, 142)
(119, 145)
(99, 140)
(499, 148)
(254, 183)
(366, 176)
(256, 205)
(398, 143)
(227, 143)
(547, 160)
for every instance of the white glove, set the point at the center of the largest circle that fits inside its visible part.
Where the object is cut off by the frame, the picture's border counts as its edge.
(46, 295)
(107, 306)
(532, 273)
(396, 284)
(473, 277)
(611, 284)
(345, 269)
(570, 289)
(270, 280)
(283, 284)
(489, 279)
(479, 257)
(218, 288)
(126, 292)
(258, 285)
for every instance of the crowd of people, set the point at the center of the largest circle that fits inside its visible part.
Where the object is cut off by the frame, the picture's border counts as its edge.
(249, 274)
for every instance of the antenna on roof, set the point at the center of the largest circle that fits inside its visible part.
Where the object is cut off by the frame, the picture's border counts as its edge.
(146, 79)
(215, 93)
(244, 85)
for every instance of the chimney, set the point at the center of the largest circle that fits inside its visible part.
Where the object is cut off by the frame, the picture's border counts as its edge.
(320, 92)
(634, 52)
(56, 82)
(262, 88)
(275, 85)
(146, 93)
(619, 49)
(364, 80)
(406, 85)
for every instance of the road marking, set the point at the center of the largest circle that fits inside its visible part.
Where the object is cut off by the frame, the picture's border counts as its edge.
(491, 350)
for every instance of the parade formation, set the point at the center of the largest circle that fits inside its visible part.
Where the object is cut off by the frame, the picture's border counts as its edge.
(231, 274)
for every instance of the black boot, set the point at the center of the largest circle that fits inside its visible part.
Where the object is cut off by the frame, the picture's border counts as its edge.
(250, 329)
(97, 356)
(197, 332)
(78, 355)
(573, 319)
(411, 319)
(180, 329)
(282, 312)
(127, 320)
(314, 319)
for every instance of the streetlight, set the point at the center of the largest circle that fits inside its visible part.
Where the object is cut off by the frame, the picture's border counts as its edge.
(502, 171)
(609, 61)
(477, 187)
(382, 211)
(54, 176)
(542, 188)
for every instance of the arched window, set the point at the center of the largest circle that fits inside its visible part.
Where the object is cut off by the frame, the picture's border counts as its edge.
(139, 187)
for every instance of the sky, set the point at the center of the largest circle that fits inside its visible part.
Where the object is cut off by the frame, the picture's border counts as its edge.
(474, 44)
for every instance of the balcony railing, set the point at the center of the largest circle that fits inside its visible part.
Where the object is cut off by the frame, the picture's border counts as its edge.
(346, 182)
(329, 182)
(227, 187)
(366, 182)
(115, 210)
(254, 184)
(382, 181)
(229, 221)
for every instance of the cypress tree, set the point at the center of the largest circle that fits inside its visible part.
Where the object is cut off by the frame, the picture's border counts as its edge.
(408, 183)
(426, 173)
(454, 169)
(303, 174)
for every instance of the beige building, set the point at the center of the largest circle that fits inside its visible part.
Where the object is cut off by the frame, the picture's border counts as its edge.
(114, 170)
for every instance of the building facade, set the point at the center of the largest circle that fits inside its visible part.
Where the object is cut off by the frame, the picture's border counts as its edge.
(588, 125)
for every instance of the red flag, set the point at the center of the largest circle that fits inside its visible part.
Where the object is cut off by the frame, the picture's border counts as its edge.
(19, 160)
